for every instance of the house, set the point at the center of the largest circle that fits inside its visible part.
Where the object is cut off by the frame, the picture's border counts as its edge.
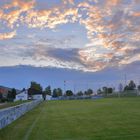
(48, 97)
(34, 94)
(4, 91)
(23, 95)
(37, 97)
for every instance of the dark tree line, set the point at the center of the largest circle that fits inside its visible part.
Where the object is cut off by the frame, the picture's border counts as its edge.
(105, 90)
(36, 88)
(109, 90)
(130, 86)
(10, 96)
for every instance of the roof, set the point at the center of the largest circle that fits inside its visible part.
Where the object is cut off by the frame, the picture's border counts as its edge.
(7, 88)
(21, 91)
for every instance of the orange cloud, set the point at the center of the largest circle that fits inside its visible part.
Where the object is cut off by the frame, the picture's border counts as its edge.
(68, 2)
(136, 14)
(13, 16)
(50, 18)
(113, 2)
(9, 35)
(24, 5)
(112, 27)
(84, 4)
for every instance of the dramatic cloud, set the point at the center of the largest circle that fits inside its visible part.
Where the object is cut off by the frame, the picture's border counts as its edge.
(18, 7)
(111, 27)
(9, 35)
(50, 18)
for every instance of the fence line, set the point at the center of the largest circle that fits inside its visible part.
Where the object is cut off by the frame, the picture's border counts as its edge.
(8, 115)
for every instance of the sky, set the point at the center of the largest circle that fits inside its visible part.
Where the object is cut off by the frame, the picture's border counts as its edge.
(86, 37)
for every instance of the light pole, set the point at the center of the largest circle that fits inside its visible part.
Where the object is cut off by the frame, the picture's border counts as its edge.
(125, 79)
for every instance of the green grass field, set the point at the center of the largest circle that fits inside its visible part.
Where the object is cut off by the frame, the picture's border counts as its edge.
(103, 119)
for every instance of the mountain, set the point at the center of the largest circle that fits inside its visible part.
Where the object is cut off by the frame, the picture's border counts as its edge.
(20, 76)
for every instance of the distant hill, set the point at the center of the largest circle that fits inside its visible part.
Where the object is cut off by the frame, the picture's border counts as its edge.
(20, 76)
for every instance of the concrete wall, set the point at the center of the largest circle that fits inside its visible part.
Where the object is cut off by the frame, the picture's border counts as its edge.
(10, 114)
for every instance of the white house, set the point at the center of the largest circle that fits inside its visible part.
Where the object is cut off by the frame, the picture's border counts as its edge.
(48, 97)
(22, 96)
(37, 97)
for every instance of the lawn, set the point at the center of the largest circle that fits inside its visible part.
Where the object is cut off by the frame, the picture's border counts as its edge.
(103, 119)
(10, 104)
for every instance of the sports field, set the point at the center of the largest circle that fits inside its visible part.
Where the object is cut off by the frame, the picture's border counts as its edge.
(103, 119)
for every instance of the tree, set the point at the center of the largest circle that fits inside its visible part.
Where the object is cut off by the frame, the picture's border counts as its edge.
(132, 85)
(54, 93)
(138, 87)
(57, 92)
(23, 89)
(48, 90)
(80, 93)
(69, 93)
(89, 92)
(126, 88)
(109, 90)
(35, 88)
(11, 94)
(99, 91)
(1, 96)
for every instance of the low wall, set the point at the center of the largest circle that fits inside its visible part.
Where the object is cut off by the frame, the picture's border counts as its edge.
(10, 114)
(76, 97)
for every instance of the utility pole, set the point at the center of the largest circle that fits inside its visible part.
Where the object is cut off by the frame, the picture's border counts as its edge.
(74, 88)
(125, 79)
(87, 85)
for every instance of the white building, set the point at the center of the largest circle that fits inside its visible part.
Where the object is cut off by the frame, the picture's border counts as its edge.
(37, 97)
(22, 96)
(48, 97)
